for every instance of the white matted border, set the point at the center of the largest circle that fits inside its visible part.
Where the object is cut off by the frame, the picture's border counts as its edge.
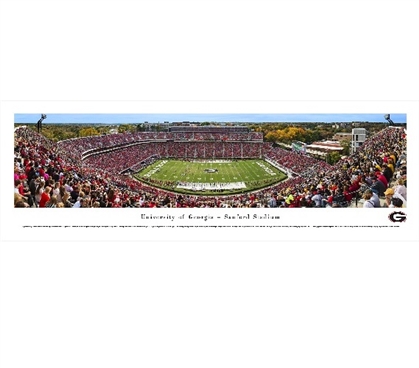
(207, 224)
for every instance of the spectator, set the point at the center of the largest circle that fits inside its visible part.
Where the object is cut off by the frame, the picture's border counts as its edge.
(53, 202)
(377, 186)
(388, 196)
(401, 189)
(39, 191)
(45, 197)
(397, 202)
(368, 201)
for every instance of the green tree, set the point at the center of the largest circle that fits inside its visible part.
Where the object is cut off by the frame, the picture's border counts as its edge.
(126, 128)
(332, 157)
(87, 132)
(346, 147)
(271, 136)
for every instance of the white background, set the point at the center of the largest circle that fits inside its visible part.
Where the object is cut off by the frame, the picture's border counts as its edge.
(89, 303)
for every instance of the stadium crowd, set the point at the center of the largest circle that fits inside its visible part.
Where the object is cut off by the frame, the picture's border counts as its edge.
(298, 163)
(53, 175)
(79, 147)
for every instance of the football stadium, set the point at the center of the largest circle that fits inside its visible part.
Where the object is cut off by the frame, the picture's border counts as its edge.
(204, 167)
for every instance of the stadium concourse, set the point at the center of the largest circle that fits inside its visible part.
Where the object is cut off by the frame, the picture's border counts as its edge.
(95, 171)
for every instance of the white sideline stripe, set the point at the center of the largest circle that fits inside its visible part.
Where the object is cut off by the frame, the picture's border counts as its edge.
(211, 186)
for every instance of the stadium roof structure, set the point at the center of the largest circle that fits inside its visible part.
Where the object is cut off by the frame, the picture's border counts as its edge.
(326, 146)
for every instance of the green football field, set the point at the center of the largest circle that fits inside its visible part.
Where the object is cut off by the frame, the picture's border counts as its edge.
(210, 176)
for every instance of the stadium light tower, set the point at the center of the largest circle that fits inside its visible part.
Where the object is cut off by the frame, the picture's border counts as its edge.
(39, 124)
(387, 117)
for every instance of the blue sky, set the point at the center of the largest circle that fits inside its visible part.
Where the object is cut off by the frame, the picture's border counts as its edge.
(155, 118)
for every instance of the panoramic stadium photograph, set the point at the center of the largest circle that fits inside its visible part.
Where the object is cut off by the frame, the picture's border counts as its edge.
(210, 160)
